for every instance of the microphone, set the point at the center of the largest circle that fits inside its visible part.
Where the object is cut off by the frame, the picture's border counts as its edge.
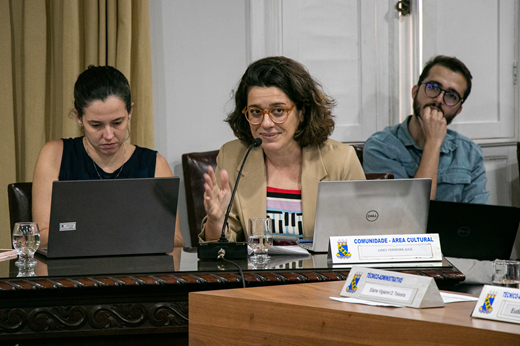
(223, 247)
(256, 143)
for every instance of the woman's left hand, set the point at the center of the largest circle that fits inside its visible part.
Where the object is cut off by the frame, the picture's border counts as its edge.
(216, 200)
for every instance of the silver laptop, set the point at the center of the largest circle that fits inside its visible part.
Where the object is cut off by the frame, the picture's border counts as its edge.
(112, 217)
(369, 207)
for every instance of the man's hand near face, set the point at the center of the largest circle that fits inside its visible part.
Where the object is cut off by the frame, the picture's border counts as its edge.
(438, 97)
(434, 128)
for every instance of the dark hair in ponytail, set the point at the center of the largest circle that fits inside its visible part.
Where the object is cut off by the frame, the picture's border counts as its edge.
(99, 83)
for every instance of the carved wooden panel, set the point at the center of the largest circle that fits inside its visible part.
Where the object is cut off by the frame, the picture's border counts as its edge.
(129, 304)
(96, 317)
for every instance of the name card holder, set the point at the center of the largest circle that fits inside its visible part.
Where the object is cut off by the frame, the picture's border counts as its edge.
(392, 288)
(387, 248)
(499, 304)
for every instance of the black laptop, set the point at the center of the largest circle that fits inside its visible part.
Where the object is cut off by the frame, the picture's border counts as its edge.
(477, 231)
(112, 217)
(99, 265)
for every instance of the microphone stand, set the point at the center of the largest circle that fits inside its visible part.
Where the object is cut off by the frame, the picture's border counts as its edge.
(231, 250)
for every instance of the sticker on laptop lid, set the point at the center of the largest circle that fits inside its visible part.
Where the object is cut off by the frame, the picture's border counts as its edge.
(67, 226)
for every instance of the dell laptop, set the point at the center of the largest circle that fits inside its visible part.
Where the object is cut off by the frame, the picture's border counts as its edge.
(369, 207)
(477, 231)
(112, 217)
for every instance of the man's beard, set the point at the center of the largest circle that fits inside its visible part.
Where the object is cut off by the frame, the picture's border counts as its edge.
(417, 110)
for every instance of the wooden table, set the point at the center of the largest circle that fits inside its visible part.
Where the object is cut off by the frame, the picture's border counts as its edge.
(88, 302)
(305, 315)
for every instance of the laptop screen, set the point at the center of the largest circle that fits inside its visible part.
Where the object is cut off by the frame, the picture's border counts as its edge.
(112, 217)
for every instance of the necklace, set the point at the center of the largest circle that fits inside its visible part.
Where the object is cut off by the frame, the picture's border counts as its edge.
(94, 163)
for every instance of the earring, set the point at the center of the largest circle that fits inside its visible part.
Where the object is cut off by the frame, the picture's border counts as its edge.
(80, 125)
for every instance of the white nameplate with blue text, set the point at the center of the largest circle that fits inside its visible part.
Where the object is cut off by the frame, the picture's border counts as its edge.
(498, 303)
(387, 248)
(392, 287)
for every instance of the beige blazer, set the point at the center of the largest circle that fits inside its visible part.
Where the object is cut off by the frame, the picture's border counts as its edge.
(329, 161)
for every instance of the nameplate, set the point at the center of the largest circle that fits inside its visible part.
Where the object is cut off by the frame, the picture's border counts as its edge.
(498, 303)
(388, 248)
(392, 287)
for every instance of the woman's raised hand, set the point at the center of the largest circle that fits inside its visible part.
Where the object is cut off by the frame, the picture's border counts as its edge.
(216, 199)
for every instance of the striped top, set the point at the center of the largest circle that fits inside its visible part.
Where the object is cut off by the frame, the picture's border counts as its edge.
(284, 207)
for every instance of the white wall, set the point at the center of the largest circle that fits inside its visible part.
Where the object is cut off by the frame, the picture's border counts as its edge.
(200, 50)
(198, 56)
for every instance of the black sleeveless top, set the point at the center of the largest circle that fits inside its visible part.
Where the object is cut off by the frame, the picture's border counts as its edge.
(77, 165)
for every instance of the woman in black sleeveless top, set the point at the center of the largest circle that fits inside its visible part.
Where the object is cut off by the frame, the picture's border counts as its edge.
(103, 108)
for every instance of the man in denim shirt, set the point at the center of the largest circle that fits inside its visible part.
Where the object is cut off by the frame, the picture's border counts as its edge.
(423, 147)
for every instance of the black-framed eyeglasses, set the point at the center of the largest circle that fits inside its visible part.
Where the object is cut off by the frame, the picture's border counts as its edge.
(277, 114)
(451, 98)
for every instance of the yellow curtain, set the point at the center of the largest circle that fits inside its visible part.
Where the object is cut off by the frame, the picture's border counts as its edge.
(44, 46)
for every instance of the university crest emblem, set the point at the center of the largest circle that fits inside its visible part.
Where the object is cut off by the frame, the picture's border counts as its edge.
(487, 307)
(353, 285)
(343, 250)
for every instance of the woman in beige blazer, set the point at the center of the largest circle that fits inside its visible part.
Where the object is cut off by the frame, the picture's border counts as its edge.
(278, 101)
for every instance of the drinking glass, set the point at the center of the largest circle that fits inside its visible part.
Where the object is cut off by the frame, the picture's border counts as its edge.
(260, 238)
(24, 272)
(255, 265)
(26, 240)
(506, 273)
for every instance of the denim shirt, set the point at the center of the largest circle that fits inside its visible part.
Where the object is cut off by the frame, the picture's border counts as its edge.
(461, 174)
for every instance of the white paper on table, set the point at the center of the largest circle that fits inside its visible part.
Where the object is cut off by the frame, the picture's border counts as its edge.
(287, 250)
(454, 298)
(283, 250)
(8, 253)
(365, 302)
(446, 297)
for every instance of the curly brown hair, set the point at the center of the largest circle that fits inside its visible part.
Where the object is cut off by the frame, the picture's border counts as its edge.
(295, 81)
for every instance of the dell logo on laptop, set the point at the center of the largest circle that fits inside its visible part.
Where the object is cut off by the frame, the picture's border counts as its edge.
(372, 215)
(464, 231)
